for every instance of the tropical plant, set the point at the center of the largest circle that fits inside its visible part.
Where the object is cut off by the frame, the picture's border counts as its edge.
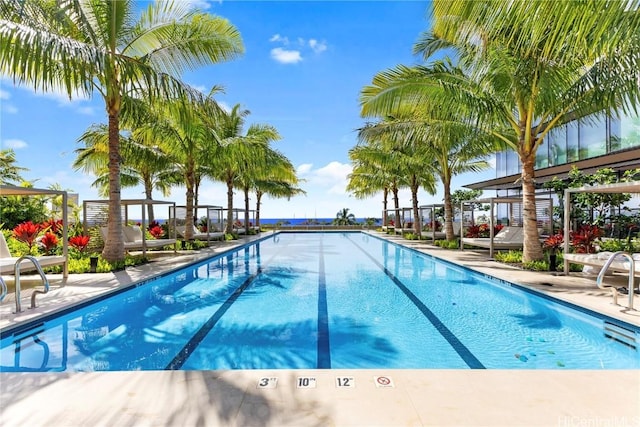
(49, 242)
(344, 217)
(27, 232)
(9, 171)
(583, 240)
(88, 45)
(518, 78)
(79, 242)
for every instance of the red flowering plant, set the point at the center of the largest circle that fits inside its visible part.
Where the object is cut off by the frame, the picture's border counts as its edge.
(48, 242)
(27, 232)
(79, 243)
(554, 242)
(156, 232)
(473, 231)
(583, 239)
(52, 225)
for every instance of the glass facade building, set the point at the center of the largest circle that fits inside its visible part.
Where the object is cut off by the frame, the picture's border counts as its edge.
(578, 141)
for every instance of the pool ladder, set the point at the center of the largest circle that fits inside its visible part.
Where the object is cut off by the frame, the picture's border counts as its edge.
(16, 270)
(614, 291)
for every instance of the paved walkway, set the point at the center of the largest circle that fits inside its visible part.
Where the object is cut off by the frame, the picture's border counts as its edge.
(339, 397)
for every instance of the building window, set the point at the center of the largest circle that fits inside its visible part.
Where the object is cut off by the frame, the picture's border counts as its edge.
(573, 144)
(513, 163)
(557, 139)
(624, 133)
(542, 155)
(593, 138)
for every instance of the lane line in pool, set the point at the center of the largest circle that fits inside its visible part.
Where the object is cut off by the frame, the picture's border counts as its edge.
(455, 343)
(196, 339)
(324, 348)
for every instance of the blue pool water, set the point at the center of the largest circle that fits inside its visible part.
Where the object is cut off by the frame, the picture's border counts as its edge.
(319, 300)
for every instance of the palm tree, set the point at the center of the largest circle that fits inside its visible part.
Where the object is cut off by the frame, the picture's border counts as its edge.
(444, 150)
(86, 45)
(142, 165)
(275, 175)
(9, 172)
(367, 179)
(344, 217)
(520, 76)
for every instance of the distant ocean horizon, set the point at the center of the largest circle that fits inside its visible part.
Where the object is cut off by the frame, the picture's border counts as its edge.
(285, 221)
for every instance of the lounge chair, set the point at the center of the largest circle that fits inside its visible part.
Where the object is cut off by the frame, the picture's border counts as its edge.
(507, 238)
(597, 261)
(8, 262)
(198, 235)
(441, 234)
(133, 238)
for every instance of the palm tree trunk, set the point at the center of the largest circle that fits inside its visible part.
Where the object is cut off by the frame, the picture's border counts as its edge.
(532, 249)
(246, 210)
(385, 203)
(229, 226)
(258, 201)
(414, 205)
(396, 205)
(190, 179)
(448, 210)
(114, 246)
(148, 193)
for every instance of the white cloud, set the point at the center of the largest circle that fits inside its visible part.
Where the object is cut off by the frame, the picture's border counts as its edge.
(88, 111)
(15, 144)
(316, 46)
(304, 168)
(286, 56)
(280, 39)
(334, 175)
(198, 4)
(4, 94)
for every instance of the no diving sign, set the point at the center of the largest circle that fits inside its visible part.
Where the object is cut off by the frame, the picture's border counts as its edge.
(383, 382)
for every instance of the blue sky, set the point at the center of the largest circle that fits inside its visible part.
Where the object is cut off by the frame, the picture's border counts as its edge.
(304, 67)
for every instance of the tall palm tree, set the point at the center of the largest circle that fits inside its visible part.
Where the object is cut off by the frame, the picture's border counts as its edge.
(142, 164)
(274, 173)
(445, 150)
(188, 141)
(9, 171)
(238, 154)
(521, 76)
(366, 179)
(84, 46)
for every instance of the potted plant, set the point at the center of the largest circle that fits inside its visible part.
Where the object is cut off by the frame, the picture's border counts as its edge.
(553, 243)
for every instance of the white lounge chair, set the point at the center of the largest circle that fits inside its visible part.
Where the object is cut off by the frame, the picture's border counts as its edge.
(133, 238)
(441, 234)
(507, 238)
(198, 235)
(620, 264)
(8, 262)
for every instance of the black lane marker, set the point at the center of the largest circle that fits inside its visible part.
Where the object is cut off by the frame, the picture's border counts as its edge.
(460, 348)
(195, 340)
(324, 349)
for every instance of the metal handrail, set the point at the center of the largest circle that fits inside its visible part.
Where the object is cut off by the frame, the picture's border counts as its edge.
(45, 282)
(614, 291)
(3, 289)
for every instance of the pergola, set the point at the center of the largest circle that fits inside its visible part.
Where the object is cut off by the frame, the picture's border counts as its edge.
(621, 187)
(95, 213)
(514, 216)
(11, 190)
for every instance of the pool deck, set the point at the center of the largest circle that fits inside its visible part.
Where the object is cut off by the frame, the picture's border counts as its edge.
(332, 397)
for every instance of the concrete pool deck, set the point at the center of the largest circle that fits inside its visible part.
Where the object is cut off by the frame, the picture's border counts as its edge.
(323, 397)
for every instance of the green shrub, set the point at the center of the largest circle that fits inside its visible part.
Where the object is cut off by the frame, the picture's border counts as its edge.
(536, 265)
(511, 257)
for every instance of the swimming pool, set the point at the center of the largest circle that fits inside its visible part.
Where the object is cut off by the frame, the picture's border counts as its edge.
(320, 300)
